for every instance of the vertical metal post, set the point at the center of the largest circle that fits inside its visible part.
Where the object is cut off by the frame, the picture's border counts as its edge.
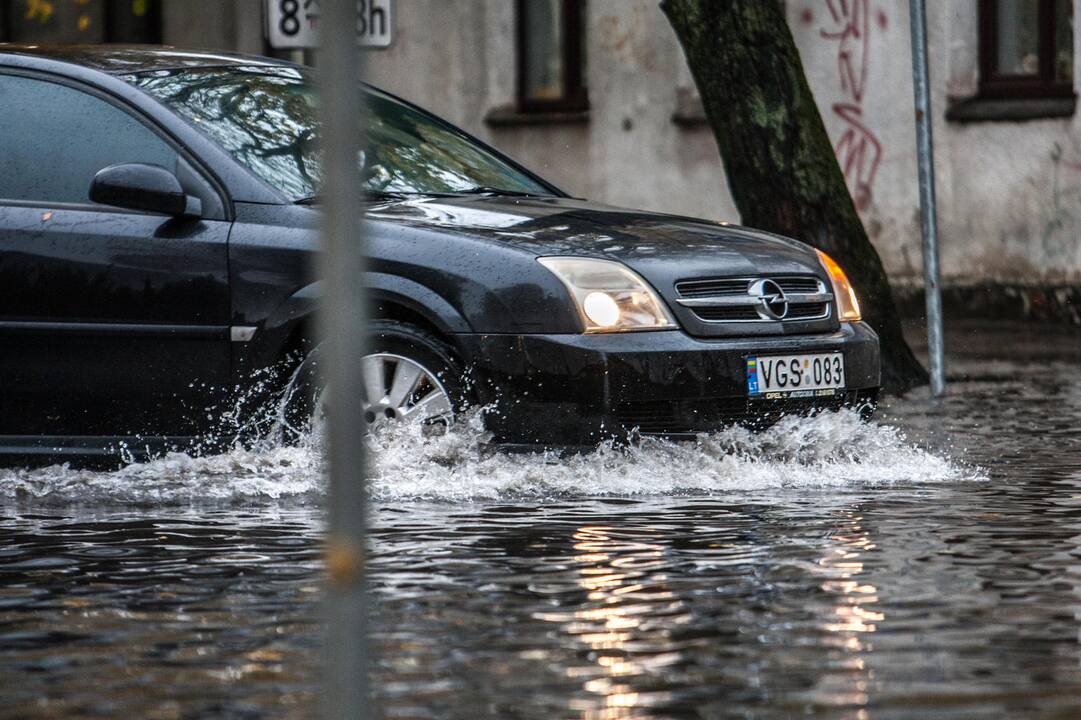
(346, 693)
(928, 214)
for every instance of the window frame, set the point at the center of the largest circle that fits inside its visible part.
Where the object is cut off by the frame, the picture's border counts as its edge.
(7, 20)
(994, 84)
(574, 97)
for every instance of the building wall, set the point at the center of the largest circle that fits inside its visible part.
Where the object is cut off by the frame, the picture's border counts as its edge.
(457, 58)
(235, 25)
(1009, 192)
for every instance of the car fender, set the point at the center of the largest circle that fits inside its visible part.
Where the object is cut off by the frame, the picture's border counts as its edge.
(382, 287)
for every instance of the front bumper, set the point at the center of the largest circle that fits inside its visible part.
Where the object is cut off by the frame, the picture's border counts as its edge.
(579, 389)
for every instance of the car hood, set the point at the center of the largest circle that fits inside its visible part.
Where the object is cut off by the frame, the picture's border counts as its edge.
(663, 248)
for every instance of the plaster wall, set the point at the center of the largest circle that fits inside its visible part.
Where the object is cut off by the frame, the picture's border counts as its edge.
(1009, 192)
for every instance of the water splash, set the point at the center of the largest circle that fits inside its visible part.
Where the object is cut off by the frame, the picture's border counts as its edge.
(175, 478)
(830, 450)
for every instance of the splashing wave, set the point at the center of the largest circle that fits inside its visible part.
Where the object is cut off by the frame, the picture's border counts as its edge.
(830, 450)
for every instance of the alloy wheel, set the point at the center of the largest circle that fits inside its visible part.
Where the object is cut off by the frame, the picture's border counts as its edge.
(397, 389)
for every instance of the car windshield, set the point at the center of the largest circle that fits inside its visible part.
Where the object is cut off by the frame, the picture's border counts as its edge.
(265, 117)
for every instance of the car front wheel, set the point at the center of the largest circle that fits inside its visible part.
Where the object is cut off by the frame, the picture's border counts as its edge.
(408, 375)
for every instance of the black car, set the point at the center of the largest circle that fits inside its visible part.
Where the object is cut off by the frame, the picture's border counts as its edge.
(158, 213)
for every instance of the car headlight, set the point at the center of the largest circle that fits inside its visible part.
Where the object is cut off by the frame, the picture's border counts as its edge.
(610, 297)
(848, 307)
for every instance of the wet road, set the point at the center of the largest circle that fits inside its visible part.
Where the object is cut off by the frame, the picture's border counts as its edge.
(824, 569)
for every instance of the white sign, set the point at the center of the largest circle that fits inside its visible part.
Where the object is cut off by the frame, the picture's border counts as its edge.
(293, 23)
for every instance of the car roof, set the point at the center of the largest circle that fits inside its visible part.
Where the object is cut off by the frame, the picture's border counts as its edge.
(128, 59)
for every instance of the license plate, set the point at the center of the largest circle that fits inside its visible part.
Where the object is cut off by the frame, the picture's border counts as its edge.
(783, 376)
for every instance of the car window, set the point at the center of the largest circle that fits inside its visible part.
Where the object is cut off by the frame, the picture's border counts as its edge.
(55, 138)
(266, 119)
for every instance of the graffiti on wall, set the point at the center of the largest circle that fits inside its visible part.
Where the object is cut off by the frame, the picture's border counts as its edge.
(848, 24)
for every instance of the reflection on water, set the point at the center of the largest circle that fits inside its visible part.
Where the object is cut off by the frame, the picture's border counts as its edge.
(829, 569)
(853, 614)
(624, 581)
(114, 614)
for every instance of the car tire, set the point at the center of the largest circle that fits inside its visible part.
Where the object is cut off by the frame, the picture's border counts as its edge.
(388, 338)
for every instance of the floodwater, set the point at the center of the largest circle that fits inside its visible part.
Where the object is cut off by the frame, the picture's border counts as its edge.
(925, 565)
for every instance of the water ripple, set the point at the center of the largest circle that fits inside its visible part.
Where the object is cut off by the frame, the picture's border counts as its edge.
(926, 565)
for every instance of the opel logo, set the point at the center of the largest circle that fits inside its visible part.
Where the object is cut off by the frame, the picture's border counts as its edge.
(772, 302)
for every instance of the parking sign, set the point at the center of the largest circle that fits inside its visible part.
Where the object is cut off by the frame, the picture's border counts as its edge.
(293, 23)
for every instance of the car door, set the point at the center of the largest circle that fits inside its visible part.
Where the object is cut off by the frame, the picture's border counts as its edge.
(112, 322)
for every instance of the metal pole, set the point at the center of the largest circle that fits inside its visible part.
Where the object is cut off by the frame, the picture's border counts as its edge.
(928, 214)
(346, 694)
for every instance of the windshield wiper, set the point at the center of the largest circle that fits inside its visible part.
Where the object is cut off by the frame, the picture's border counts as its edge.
(488, 190)
(386, 195)
(365, 195)
(397, 195)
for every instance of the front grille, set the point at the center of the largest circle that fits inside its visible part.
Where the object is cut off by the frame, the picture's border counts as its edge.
(797, 284)
(808, 311)
(727, 314)
(809, 299)
(666, 417)
(708, 288)
(663, 417)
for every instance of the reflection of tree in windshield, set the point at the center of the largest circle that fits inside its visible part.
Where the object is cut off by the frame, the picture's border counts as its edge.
(266, 119)
(409, 152)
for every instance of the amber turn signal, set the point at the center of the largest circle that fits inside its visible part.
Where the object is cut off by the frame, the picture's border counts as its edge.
(848, 307)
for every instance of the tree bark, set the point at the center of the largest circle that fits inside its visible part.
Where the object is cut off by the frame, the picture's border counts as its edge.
(781, 167)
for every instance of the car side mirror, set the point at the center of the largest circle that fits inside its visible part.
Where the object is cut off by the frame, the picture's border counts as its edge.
(140, 186)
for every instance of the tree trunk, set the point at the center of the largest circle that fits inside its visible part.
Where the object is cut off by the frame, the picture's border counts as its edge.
(780, 164)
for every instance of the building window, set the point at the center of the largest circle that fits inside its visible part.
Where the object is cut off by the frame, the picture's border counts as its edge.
(551, 56)
(1026, 48)
(133, 21)
(80, 21)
